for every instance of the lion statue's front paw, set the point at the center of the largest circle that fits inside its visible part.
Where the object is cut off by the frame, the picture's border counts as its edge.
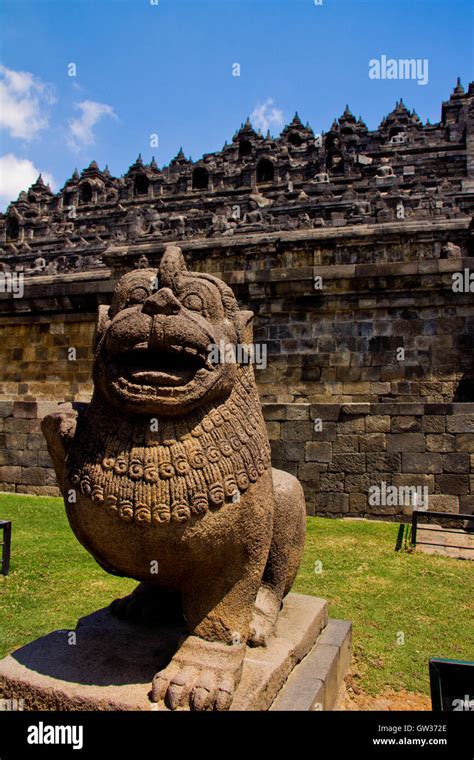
(203, 675)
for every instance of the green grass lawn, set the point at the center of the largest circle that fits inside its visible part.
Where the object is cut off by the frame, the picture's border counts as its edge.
(352, 563)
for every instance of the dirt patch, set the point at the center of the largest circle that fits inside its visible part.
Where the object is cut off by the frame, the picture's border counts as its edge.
(356, 699)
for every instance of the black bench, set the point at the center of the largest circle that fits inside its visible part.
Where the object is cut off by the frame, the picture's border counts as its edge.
(5, 543)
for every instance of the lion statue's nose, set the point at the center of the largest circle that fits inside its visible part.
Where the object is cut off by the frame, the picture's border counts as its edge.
(162, 302)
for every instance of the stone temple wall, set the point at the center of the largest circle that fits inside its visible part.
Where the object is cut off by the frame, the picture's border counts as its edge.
(346, 249)
(331, 357)
(364, 445)
(337, 451)
(339, 342)
(34, 357)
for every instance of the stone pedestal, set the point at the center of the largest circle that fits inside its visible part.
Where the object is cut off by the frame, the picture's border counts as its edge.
(107, 664)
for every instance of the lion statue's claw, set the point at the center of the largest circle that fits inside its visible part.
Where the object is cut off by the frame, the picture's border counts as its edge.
(201, 676)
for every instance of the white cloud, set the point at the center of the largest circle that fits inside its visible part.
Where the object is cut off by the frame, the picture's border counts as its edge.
(82, 128)
(24, 103)
(265, 115)
(17, 174)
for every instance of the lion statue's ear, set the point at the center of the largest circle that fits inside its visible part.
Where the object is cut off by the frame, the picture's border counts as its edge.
(102, 319)
(244, 323)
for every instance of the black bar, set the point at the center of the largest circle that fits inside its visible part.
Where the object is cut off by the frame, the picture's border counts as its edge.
(414, 526)
(6, 545)
(114, 734)
(446, 515)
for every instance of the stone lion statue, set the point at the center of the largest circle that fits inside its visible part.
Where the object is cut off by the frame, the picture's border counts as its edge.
(167, 479)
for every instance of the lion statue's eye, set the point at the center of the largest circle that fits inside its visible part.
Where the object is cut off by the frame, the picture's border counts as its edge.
(138, 295)
(193, 302)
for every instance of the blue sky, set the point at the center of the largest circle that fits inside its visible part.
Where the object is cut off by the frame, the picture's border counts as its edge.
(166, 69)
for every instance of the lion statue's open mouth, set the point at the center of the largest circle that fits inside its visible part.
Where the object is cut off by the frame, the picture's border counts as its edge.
(153, 344)
(177, 366)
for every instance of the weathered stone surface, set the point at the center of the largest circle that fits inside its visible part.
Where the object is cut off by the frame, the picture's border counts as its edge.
(331, 482)
(332, 502)
(443, 442)
(338, 634)
(373, 442)
(6, 408)
(460, 423)
(452, 484)
(10, 474)
(406, 442)
(34, 476)
(310, 470)
(406, 424)
(350, 463)
(456, 463)
(378, 423)
(298, 412)
(344, 444)
(25, 409)
(443, 503)
(358, 483)
(275, 411)
(414, 479)
(356, 408)
(294, 451)
(273, 431)
(297, 430)
(328, 432)
(465, 442)
(325, 411)
(422, 463)
(383, 462)
(39, 490)
(317, 452)
(351, 425)
(358, 502)
(265, 672)
(8, 487)
(433, 423)
(466, 504)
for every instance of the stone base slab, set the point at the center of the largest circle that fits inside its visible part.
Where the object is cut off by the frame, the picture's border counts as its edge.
(317, 682)
(108, 664)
